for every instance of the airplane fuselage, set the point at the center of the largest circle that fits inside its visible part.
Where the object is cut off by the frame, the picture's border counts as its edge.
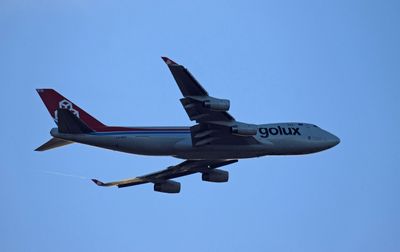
(216, 139)
(271, 139)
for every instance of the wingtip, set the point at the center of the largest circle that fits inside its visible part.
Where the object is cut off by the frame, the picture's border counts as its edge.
(168, 61)
(98, 182)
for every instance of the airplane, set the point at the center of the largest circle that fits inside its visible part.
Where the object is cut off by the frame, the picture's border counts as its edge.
(216, 140)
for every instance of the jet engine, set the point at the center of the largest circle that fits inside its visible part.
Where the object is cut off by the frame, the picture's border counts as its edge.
(168, 186)
(215, 176)
(217, 104)
(244, 130)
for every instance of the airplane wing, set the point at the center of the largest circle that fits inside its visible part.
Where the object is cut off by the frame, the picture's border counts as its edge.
(185, 168)
(215, 124)
(196, 97)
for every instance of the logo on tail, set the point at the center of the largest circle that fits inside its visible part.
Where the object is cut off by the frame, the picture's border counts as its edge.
(65, 104)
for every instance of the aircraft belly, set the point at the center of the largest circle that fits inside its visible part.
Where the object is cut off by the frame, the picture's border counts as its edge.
(291, 146)
(135, 144)
(180, 146)
(149, 145)
(276, 146)
(222, 152)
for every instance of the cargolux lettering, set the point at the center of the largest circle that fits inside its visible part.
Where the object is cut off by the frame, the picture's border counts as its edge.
(266, 132)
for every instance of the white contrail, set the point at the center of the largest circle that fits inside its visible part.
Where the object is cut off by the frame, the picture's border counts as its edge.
(63, 174)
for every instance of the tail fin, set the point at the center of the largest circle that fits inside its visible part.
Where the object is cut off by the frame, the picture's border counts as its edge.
(70, 124)
(54, 101)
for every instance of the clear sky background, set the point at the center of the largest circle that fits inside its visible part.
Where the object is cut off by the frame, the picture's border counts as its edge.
(332, 63)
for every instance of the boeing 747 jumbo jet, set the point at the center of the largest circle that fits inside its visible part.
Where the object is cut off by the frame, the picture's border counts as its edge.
(216, 139)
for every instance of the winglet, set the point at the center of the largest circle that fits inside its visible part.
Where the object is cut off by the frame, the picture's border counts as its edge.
(98, 182)
(168, 61)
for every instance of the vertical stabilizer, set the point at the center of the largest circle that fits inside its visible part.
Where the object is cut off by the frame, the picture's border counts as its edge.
(54, 101)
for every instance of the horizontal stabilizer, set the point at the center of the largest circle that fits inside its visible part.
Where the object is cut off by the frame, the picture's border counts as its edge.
(53, 143)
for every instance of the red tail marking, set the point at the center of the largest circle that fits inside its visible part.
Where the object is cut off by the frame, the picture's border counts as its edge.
(53, 100)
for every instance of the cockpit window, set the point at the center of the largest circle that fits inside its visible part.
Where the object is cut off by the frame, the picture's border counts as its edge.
(315, 126)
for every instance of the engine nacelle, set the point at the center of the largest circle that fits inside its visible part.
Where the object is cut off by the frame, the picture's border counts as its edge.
(215, 176)
(244, 130)
(217, 104)
(168, 186)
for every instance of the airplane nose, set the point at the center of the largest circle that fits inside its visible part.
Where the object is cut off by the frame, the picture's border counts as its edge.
(333, 140)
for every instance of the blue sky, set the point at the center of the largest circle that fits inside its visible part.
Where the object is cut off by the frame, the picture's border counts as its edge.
(332, 63)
